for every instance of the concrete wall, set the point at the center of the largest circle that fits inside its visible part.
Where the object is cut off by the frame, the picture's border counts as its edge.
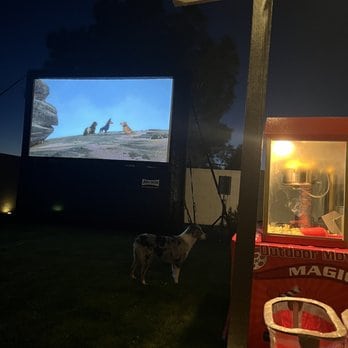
(207, 200)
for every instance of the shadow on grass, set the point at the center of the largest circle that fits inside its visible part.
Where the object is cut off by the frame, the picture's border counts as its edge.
(70, 287)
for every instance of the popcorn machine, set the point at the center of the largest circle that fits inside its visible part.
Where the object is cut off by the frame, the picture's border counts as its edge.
(305, 192)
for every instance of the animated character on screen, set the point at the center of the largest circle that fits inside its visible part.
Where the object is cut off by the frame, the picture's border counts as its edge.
(91, 129)
(126, 129)
(106, 127)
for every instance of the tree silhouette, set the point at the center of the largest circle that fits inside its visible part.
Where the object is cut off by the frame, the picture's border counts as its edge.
(138, 35)
(230, 157)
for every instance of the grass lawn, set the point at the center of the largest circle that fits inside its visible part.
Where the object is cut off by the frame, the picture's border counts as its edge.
(62, 286)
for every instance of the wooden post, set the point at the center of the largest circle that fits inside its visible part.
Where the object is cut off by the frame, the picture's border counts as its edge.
(250, 173)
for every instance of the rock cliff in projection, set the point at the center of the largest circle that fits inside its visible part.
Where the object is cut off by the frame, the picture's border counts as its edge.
(44, 115)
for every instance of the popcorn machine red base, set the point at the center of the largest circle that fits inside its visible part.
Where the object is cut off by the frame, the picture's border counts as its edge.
(294, 270)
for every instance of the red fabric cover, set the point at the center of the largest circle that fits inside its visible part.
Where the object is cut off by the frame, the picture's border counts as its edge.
(308, 320)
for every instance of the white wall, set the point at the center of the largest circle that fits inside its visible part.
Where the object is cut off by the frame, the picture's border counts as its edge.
(206, 198)
(205, 195)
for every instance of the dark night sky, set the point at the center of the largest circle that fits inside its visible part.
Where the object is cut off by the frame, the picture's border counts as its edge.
(24, 26)
(308, 61)
(308, 70)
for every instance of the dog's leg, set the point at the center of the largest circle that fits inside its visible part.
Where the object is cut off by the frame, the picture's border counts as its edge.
(144, 268)
(133, 268)
(137, 261)
(175, 273)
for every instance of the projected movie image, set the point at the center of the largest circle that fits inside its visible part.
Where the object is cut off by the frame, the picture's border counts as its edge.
(115, 119)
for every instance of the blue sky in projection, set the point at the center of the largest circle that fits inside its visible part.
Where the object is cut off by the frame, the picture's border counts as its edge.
(142, 103)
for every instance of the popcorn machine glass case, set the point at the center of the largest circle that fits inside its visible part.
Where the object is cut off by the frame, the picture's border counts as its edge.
(305, 181)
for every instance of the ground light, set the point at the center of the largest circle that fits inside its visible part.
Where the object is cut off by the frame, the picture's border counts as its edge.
(7, 208)
(57, 207)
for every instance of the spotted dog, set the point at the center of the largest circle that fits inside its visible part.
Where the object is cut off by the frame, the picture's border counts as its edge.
(91, 129)
(170, 249)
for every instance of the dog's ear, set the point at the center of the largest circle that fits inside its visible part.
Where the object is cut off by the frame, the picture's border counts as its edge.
(196, 231)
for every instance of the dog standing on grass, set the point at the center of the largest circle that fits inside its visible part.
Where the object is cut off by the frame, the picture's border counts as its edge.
(170, 249)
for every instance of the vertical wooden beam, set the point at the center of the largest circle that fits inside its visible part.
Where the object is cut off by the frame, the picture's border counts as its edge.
(250, 173)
